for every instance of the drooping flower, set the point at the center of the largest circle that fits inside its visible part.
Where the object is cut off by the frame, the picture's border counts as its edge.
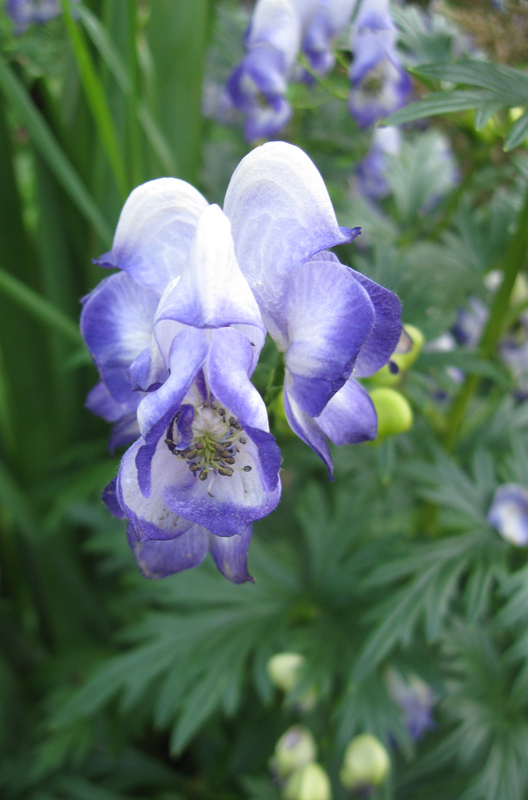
(330, 19)
(26, 12)
(371, 170)
(380, 85)
(258, 85)
(415, 698)
(508, 513)
(330, 322)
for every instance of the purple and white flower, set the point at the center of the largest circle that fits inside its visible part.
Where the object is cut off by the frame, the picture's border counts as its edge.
(416, 700)
(330, 19)
(380, 85)
(371, 170)
(508, 513)
(258, 85)
(26, 12)
(330, 322)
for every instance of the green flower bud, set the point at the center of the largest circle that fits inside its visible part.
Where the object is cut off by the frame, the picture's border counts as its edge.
(394, 412)
(404, 361)
(366, 763)
(308, 783)
(295, 749)
(284, 669)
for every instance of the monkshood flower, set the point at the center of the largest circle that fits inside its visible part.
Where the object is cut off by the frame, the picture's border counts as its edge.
(332, 324)
(371, 170)
(330, 19)
(25, 12)
(379, 83)
(508, 513)
(416, 700)
(205, 465)
(258, 85)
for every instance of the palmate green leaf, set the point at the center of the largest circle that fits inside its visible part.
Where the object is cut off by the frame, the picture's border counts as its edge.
(517, 134)
(43, 140)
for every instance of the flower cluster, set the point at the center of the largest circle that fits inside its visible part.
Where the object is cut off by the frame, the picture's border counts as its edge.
(26, 12)
(280, 29)
(176, 334)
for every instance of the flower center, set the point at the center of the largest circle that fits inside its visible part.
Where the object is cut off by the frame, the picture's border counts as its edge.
(217, 438)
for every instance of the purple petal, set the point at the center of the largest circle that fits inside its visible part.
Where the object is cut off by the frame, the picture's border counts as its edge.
(109, 498)
(158, 559)
(508, 513)
(227, 505)
(101, 402)
(150, 516)
(308, 430)
(331, 18)
(230, 555)
(281, 215)
(116, 323)
(386, 331)
(229, 364)
(154, 232)
(187, 355)
(329, 317)
(349, 417)
(124, 432)
(266, 122)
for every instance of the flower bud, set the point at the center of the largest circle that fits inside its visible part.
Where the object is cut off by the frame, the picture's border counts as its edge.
(402, 359)
(284, 670)
(366, 763)
(308, 783)
(394, 412)
(295, 749)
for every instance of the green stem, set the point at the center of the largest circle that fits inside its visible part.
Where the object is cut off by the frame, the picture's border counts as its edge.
(493, 330)
(325, 84)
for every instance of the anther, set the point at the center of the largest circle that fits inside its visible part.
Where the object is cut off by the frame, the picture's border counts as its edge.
(219, 447)
(227, 471)
(199, 445)
(242, 440)
(247, 468)
(195, 467)
(229, 460)
(191, 453)
(232, 421)
(221, 411)
(203, 475)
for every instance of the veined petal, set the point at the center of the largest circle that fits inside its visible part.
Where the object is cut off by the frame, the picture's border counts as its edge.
(116, 324)
(101, 402)
(150, 516)
(125, 431)
(308, 430)
(187, 355)
(226, 505)
(350, 416)
(158, 559)
(386, 331)
(229, 364)
(212, 291)
(329, 317)
(154, 232)
(230, 555)
(281, 215)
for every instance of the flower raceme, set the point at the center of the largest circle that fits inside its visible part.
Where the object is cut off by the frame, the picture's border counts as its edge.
(176, 334)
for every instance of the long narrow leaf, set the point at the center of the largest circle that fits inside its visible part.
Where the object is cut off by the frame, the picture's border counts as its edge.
(106, 48)
(444, 103)
(47, 145)
(517, 134)
(96, 100)
(38, 307)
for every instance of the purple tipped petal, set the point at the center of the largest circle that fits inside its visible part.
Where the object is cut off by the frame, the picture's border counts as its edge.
(116, 323)
(230, 555)
(150, 516)
(308, 430)
(386, 331)
(187, 356)
(154, 232)
(101, 402)
(331, 17)
(508, 513)
(226, 505)
(277, 198)
(349, 417)
(229, 364)
(329, 316)
(266, 122)
(158, 559)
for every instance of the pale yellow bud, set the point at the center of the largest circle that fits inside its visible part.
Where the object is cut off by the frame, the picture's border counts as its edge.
(394, 412)
(366, 762)
(308, 783)
(295, 749)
